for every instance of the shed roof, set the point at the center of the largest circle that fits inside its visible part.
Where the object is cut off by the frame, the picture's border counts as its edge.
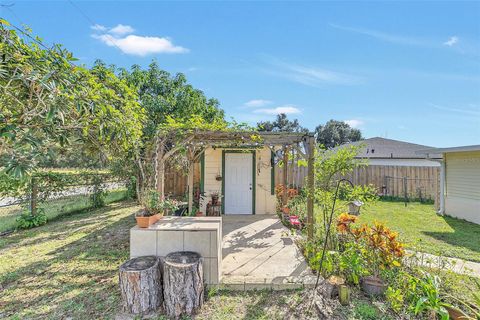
(382, 148)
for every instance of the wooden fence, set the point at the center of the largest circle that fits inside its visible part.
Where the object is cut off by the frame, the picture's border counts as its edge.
(394, 181)
(176, 180)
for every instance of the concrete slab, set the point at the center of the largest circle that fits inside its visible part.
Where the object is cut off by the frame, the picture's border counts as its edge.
(258, 253)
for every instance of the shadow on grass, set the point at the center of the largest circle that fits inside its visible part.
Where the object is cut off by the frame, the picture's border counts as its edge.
(75, 279)
(466, 234)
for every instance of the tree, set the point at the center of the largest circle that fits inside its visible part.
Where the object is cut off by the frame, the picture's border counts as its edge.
(335, 133)
(46, 100)
(170, 104)
(281, 124)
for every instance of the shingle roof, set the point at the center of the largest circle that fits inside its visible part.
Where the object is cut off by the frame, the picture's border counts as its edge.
(381, 148)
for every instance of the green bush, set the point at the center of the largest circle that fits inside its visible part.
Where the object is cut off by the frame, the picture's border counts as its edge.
(28, 221)
(366, 311)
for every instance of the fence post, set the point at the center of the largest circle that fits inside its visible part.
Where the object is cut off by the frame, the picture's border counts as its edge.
(405, 190)
(33, 197)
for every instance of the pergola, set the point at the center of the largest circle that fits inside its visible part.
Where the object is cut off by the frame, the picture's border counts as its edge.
(196, 142)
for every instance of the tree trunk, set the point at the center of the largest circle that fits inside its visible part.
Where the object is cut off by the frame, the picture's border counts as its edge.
(183, 284)
(141, 285)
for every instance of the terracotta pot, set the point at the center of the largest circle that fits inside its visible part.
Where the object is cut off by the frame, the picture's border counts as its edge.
(456, 314)
(373, 285)
(199, 214)
(145, 222)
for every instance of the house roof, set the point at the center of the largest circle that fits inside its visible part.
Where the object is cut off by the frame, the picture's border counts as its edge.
(430, 151)
(382, 148)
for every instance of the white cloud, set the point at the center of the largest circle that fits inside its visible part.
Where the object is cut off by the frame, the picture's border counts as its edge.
(121, 30)
(469, 111)
(354, 123)
(288, 109)
(257, 103)
(134, 44)
(139, 45)
(98, 27)
(451, 41)
(311, 76)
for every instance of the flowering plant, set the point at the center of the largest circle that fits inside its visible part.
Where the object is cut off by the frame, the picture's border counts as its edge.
(382, 248)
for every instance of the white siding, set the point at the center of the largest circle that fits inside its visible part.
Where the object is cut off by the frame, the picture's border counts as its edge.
(462, 192)
(265, 202)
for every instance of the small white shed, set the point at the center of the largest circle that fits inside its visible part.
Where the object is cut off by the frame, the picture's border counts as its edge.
(245, 178)
(460, 182)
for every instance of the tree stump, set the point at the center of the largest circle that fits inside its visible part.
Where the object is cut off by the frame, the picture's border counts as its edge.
(141, 285)
(183, 283)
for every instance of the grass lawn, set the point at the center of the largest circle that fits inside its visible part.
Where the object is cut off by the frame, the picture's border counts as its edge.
(67, 269)
(420, 228)
(54, 208)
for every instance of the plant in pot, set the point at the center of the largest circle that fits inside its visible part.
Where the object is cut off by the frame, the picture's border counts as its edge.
(152, 211)
(215, 197)
(379, 251)
(169, 206)
(382, 252)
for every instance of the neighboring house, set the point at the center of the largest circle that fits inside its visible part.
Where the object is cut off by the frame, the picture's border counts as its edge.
(244, 177)
(388, 152)
(459, 181)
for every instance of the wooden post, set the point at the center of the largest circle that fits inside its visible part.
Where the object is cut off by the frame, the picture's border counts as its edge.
(285, 176)
(33, 197)
(191, 163)
(160, 168)
(310, 185)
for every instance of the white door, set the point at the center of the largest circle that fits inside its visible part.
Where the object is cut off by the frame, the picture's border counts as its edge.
(238, 183)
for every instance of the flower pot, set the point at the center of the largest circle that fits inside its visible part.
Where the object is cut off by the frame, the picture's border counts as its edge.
(199, 214)
(145, 222)
(455, 313)
(373, 285)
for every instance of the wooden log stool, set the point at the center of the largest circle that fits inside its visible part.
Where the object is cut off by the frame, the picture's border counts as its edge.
(141, 285)
(183, 283)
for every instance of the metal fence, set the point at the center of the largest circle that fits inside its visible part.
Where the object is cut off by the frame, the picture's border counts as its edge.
(73, 197)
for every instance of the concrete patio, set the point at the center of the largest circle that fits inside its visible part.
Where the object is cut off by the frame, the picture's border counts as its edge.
(258, 253)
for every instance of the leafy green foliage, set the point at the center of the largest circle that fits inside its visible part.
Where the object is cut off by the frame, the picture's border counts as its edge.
(366, 311)
(335, 133)
(281, 124)
(99, 194)
(28, 221)
(47, 101)
(424, 294)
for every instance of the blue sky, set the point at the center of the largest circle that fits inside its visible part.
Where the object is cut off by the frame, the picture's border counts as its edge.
(404, 70)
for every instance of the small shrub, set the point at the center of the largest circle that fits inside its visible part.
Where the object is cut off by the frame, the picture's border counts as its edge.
(366, 311)
(395, 299)
(132, 188)
(28, 221)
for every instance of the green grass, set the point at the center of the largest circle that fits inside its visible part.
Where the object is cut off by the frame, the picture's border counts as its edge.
(421, 229)
(55, 208)
(68, 268)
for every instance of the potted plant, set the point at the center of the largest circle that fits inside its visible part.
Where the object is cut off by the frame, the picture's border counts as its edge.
(152, 211)
(215, 196)
(169, 206)
(381, 251)
(218, 177)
